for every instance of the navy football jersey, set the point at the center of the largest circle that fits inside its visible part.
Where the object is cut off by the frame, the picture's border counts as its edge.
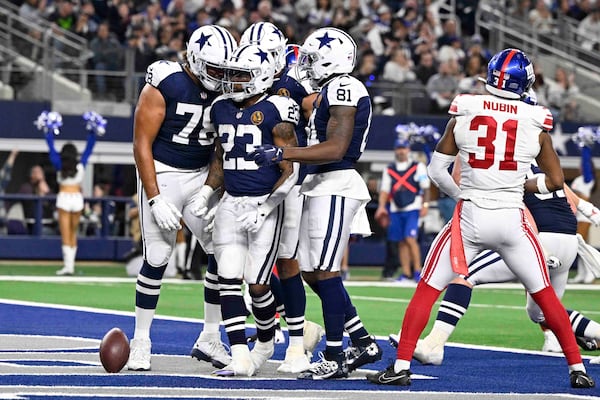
(344, 90)
(552, 212)
(186, 137)
(288, 85)
(240, 130)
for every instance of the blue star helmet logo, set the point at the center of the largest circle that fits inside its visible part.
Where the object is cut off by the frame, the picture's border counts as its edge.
(262, 55)
(203, 40)
(325, 40)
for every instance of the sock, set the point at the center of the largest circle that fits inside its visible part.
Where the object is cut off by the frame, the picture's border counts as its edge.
(263, 308)
(415, 318)
(451, 310)
(212, 301)
(147, 290)
(353, 324)
(233, 310)
(558, 321)
(583, 326)
(277, 290)
(332, 295)
(294, 299)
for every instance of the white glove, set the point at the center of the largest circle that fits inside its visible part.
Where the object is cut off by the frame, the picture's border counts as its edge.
(199, 203)
(165, 214)
(209, 217)
(252, 220)
(590, 211)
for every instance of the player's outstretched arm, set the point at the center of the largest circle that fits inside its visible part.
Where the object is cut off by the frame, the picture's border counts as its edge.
(553, 178)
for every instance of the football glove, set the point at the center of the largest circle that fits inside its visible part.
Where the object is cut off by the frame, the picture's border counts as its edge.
(267, 155)
(590, 211)
(165, 214)
(199, 204)
(252, 220)
(209, 217)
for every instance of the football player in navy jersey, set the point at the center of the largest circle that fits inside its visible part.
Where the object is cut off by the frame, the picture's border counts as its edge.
(288, 288)
(173, 143)
(249, 219)
(334, 191)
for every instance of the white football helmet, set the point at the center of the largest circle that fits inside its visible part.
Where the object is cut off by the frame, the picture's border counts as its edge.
(269, 37)
(325, 52)
(208, 50)
(250, 71)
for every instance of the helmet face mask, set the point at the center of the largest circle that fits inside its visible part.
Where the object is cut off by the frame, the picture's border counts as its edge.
(250, 72)
(208, 50)
(326, 52)
(510, 74)
(270, 38)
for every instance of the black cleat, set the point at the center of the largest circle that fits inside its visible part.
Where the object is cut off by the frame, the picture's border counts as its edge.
(581, 380)
(389, 377)
(586, 343)
(357, 356)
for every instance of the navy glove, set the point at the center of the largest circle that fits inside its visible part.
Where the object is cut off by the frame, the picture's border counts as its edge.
(267, 155)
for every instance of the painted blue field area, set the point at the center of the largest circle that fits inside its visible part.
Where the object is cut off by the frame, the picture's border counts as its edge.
(465, 370)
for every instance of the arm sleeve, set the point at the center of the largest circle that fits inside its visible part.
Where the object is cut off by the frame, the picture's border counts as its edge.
(88, 148)
(54, 156)
(439, 175)
(586, 164)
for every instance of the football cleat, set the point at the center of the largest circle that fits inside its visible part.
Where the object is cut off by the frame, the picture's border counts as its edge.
(586, 343)
(551, 342)
(313, 333)
(139, 355)
(357, 356)
(213, 351)
(325, 369)
(241, 363)
(581, 380)
(261, 352)
(393, 339)
(295, 360)
(428, 354)
(390, 377)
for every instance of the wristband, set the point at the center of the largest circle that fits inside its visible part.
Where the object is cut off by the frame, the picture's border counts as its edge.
(153, 200)
(541, 184)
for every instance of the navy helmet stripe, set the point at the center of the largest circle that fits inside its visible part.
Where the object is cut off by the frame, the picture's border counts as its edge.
(227, 40)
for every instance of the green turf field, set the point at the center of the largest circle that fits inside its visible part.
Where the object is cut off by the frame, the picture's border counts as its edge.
(496, 316)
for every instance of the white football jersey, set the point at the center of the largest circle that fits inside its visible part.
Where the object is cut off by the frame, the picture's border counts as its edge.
(497, 140)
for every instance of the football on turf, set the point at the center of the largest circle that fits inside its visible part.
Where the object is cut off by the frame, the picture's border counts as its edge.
(114, 350)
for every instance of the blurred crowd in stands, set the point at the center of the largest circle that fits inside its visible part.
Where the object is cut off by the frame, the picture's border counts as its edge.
(414, 42)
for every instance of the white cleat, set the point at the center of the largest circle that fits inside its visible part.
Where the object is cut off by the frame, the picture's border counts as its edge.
(211, 350)
(551, 343)
(241, 363)
(429, 354)
(65, 272)
(261, 352)
(295, 361)
(313, 333)
(139, 355)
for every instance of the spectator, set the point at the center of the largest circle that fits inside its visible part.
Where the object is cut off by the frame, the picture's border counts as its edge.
(119, 19)
(540, 86)
(108, 56)
(86, 25)
(541, 20)
(33, 11)
(425, 42)
(398, 68)
(64, 15)
(426, 68)
(474, 72)
(322, 15)
(452, 51)
(521, 11)
(561, 94)
(37, 186)
(450, 32)
(5, 176)
(589, 30)
(443, 86)
(580, 9)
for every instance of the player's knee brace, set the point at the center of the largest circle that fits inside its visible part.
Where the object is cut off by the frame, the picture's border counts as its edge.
(158, 254)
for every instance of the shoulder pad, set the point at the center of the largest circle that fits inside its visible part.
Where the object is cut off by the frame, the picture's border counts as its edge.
(288, 109)
(460, 104)
(159, 70)
(345, 90)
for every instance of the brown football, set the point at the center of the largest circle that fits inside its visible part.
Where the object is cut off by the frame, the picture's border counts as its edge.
(114, 350)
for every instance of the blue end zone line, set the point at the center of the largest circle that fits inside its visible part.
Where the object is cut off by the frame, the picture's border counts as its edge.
(200, 321)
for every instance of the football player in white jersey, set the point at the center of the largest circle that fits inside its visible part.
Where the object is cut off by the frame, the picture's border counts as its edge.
(250, 216)
(173, 143)
(497, 137)
(288, 287)
(334, 191)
